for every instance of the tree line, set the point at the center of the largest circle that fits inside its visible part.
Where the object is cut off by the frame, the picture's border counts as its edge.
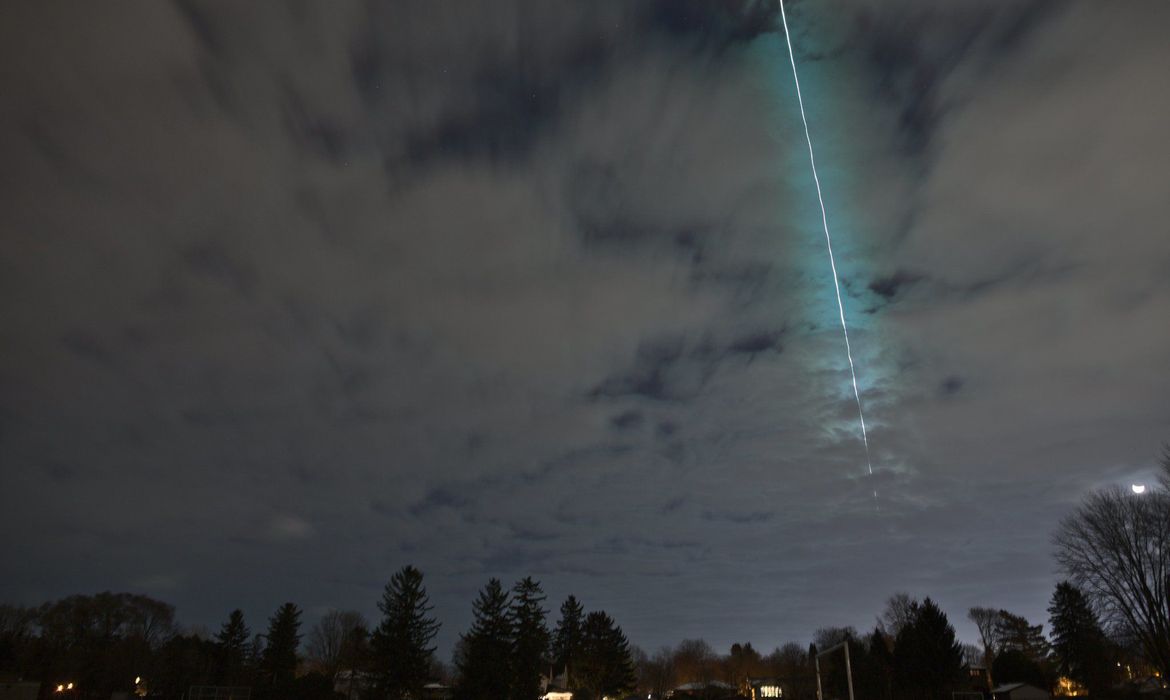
(1109, 622)
(913, 653)
(125, 643)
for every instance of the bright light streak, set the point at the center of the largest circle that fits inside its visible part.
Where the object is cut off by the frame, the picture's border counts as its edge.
(828, 242)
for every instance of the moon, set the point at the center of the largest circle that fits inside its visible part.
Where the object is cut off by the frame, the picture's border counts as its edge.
(1138, 488)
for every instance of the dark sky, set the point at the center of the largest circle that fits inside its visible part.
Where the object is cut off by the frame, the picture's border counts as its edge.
(293, 294)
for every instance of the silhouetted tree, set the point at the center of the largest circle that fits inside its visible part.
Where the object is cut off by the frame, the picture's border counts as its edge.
(402, 642)
(606, 668)
(876, 672)
(1079, 646)
(694, 661)
(483, 660)
(987, 623)
(16, 638)
(566, 643)
(100, 642)
(743, 662)
(1116, 548)
(184, 661)
(898, 613)
(793, 665)
(928, 660)
(279, 661)
(657, 672)
(334, 638)
(254, 655)
(1015, 632)
(530, 639)
(232, 641)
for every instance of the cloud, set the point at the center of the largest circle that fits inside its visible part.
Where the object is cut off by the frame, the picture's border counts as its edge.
(289, 527)
(540, 290)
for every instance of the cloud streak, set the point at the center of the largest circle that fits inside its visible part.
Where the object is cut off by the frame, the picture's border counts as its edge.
(323, 290)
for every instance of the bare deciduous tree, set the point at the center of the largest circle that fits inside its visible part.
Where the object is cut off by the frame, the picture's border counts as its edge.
(899, 611)
(987, 622)
(695, 661)
(658, 672)
(1116, 547)
(332, 640)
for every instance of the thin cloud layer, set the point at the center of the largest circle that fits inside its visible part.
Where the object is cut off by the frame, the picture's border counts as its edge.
(294, 296)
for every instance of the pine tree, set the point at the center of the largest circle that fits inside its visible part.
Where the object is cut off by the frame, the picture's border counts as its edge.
(1014, 632)
(484, 654)
(254, 657)
(530, 638)
(279, 661)
(928, 660)
(606, 667)
(1080, 647)
(881, 665)
(402, 643)
(232, 640)
(566, 644)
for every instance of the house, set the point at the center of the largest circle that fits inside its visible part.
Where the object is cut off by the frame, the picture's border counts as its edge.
(977, 676)
(1019, 691)
(765, 688)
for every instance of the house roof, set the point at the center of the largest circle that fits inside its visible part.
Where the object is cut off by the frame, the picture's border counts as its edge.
(703, 686)
(1009, 687)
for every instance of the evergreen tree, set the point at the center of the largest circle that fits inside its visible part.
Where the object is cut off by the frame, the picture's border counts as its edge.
(928, 660)
(606, 667)
(254, 655)
(566, 645)
(402, 643)
(484, 654)
(1014, 632)
(232, 640)
(881, 666)
(279, 661)
(1079, 645)
(530, 638)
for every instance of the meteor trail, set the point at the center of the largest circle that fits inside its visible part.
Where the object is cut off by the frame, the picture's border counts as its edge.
(828, 242)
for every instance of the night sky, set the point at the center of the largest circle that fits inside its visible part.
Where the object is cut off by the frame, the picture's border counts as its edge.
(294, 294)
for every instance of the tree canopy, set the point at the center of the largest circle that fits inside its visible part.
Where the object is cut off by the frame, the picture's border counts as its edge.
(403, 641)
(483, 659)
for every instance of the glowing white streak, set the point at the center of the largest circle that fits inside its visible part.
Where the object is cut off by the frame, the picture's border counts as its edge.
(828, 242)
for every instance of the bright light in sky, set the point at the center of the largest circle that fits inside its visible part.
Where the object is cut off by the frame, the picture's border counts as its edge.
(1138, 488)
(829, 243)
